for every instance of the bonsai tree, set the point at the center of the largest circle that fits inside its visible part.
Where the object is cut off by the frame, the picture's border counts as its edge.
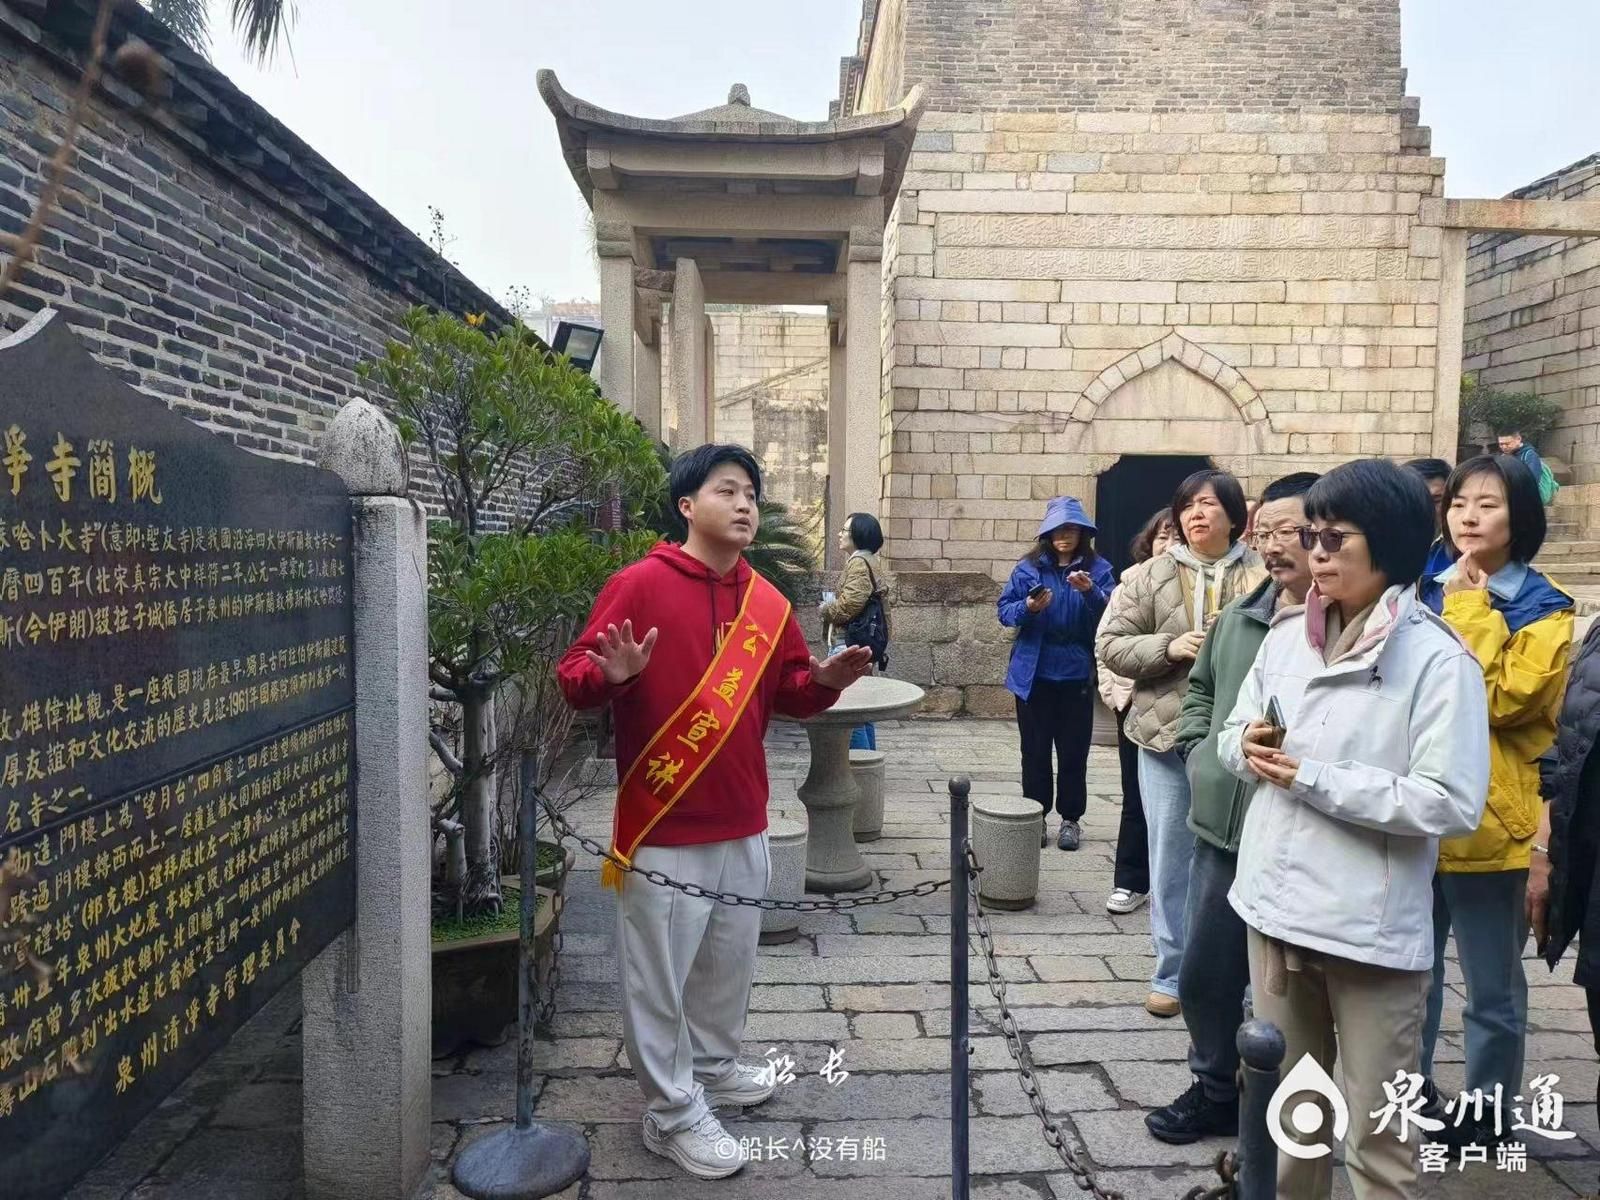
(523, 450)
(1527, 413)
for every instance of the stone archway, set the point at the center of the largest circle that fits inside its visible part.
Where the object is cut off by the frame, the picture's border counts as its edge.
(1171, 397)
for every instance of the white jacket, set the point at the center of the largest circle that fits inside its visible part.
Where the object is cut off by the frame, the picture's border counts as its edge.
(1393, 743)
(1115, 691)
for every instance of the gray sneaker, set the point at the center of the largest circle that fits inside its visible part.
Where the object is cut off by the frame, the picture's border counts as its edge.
(703, 1149)
(745, 1088)
(1070, 835)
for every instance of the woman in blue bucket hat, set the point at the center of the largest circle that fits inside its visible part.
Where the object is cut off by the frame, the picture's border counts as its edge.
(1054, 601)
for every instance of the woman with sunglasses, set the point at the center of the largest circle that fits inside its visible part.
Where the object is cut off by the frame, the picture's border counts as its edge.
(1151, 634)
(1376, 747)
(1519, 627)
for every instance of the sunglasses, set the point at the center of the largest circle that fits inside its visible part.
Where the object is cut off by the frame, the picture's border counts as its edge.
(1331, 540)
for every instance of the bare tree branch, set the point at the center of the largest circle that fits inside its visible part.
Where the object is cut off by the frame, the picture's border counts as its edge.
(446, 753)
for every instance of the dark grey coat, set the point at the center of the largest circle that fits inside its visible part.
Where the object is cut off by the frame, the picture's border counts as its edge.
(1570, 781)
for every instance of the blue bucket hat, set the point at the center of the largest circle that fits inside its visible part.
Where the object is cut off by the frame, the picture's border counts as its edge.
(1064, 510)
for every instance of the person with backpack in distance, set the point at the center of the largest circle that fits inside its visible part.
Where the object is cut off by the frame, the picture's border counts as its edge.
(1054, 600)
(694, 651)
(1512, 443)
(859, 614)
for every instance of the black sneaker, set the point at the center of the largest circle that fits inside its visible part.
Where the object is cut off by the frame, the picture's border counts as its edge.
(1193, 1116)
(1070, 835)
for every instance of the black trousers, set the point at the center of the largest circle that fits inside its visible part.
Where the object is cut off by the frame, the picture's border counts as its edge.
(1133, 835)
(1593, 995)
(1215, 972)
(1059, 716)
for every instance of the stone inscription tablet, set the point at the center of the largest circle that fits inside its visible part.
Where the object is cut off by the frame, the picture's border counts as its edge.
(176, 747)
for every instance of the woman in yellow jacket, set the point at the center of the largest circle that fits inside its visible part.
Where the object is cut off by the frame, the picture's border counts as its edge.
(1519, 627)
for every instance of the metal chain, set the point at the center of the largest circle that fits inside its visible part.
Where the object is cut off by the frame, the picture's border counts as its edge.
(1053, 1133)
(1228, 1170)
(926, 888)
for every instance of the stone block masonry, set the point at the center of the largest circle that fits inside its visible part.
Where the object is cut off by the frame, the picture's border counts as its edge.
(1071, 288)
(197, 261)
(1533, 324)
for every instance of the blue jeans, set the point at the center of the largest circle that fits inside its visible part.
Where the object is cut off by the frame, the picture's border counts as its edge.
(1491, 927)
(1164, 788)
(862, 737)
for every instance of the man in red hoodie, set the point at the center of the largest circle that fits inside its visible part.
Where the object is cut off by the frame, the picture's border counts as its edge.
(691, 700)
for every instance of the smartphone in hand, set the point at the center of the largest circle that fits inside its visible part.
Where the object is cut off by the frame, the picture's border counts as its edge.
(1274, 718)
(1036, 591)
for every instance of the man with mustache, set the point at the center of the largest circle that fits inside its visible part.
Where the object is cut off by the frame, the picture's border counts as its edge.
(1216, 966)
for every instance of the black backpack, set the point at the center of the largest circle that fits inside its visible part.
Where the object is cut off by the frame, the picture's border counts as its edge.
(870, 626)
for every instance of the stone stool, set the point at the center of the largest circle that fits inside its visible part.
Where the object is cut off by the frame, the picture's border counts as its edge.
(1005, 839)
(866, 768)
(786, 843)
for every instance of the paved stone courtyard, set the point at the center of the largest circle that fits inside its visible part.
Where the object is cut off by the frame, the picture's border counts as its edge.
(873, 985)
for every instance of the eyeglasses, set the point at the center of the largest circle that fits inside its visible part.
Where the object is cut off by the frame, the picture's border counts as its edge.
(1283, 534)
(1331, 540)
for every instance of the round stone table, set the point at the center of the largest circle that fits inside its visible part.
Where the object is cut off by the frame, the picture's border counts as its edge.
(833, 862)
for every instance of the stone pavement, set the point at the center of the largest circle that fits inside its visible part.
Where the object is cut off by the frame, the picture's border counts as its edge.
(873, 985)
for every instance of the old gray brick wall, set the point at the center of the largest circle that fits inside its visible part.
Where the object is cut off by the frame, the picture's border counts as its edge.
(194, 281)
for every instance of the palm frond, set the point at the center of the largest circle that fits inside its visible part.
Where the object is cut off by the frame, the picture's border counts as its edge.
(188, 19)
(262, 25)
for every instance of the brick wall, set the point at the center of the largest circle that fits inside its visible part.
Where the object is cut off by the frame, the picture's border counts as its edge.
(1136, 55)
(1533, 324)
(199, 283)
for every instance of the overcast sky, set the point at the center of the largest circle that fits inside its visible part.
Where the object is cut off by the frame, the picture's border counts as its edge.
(434, 103)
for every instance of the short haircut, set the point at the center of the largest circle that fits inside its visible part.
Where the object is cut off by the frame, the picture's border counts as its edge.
(1289, 487)
(1524, 506)
(1389, 504)
(1229, 494)
(692, 468)
(865, 532)
(1430, 468)
(1144, 542)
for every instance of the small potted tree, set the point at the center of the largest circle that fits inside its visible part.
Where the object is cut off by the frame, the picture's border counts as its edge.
(522, 449)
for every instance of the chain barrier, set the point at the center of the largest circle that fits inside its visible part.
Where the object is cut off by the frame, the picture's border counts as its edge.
(565, 830)
(1054, 1135)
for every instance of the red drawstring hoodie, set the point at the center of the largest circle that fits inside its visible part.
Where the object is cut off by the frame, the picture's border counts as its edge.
(689, 603)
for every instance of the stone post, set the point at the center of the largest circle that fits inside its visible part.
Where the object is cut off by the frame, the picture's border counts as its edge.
(1452, 317)
(368, 996)
(689, 354)
(616, 316)
(647, 387)
(863, 484)
(837, 414)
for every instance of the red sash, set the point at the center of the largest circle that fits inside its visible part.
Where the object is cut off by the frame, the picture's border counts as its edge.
(685, 745)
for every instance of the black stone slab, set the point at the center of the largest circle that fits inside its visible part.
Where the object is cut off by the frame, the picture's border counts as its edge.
(176, 747)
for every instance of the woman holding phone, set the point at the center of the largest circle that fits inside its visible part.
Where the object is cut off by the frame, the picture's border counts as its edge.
(1054, 600)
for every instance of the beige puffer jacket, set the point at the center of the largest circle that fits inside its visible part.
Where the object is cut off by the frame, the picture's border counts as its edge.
(1157, 601)
(1115, 691)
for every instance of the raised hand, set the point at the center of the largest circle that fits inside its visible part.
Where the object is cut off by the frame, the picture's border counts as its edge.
(619, 657)
(1037, 604)
(1080, 581)
(1469, 577)
(842, 668)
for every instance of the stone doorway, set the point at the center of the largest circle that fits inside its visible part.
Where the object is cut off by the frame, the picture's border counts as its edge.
(1133, 488)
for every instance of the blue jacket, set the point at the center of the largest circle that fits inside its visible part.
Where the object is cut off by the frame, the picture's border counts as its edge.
(1530, 459)
(1072, 616)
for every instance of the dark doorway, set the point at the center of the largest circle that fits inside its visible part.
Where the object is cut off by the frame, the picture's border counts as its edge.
(1130, 492)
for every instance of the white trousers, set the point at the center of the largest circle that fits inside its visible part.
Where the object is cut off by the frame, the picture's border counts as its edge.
(686, 964)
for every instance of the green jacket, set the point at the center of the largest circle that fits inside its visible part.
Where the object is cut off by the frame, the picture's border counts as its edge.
(1218, 798)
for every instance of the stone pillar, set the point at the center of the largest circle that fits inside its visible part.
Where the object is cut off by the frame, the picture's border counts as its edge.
(1452, 316)
(837, 411)
(711, 380)
(863, 484)
(688, 354)
(368, 996)
(616, 315)
(647, 387)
